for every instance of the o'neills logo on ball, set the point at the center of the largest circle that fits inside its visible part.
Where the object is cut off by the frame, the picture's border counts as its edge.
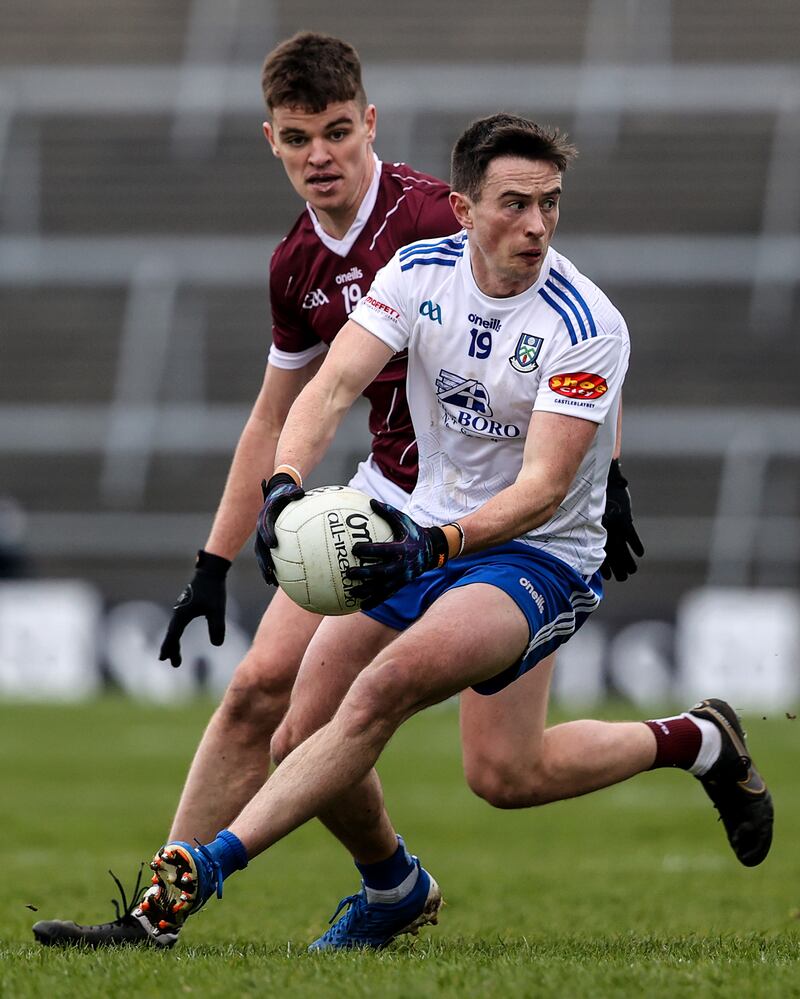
(356, 527)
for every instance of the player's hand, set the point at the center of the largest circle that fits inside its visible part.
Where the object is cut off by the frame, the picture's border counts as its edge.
(204, 597)
(392, 564)
(621, 536)
(278, 493)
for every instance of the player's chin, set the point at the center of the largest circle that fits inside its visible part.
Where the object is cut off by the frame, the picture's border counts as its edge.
(529, 264)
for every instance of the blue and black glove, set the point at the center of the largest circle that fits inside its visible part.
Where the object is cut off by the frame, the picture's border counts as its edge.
(621, 536)
(392, 564)
(278, 493)
(204, 597)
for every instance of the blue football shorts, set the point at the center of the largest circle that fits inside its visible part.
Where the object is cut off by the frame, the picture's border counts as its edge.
(554, 598)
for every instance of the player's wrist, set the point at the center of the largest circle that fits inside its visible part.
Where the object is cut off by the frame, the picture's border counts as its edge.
(454, 533)
(214, 565)
(439, 547)
(289, 470)
(278, 480)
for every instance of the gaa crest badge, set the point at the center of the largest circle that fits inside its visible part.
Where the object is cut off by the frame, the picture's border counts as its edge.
(527, 350)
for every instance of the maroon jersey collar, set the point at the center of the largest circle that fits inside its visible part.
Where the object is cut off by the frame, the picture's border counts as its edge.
(341, 247)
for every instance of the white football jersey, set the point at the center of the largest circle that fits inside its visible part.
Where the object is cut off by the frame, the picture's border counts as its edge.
(478, 367)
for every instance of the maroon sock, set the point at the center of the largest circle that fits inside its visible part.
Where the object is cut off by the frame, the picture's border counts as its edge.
(678, 742)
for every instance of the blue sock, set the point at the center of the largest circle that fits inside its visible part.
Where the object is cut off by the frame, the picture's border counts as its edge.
(389, 873)
(228, 851)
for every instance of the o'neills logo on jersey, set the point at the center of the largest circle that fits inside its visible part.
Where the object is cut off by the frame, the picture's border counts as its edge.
(354, 274)
(488, 324)
(465, 407)
(381, 307)
(579, 385)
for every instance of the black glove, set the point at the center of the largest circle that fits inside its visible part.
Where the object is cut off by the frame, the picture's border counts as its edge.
(278, 493)
(204, 596)
(621, 536)
(395, 563)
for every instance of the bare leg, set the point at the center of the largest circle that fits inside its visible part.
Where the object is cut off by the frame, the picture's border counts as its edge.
(429, 662)
(513, 761)
(341, 648)
(232, 760)
(426, 664)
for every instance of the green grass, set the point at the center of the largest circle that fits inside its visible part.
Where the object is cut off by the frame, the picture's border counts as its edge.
(626, 892)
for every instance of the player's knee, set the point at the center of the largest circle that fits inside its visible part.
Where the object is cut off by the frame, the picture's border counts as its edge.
(292, 731)
(282, 743)
(507, 784)
(375, 701)
(258, 693)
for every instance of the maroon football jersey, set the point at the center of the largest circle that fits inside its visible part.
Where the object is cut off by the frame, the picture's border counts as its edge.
(314, 289)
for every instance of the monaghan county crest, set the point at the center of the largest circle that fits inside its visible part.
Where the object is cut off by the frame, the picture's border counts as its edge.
(524, 357)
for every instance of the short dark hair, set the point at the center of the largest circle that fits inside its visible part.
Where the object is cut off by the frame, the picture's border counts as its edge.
(503, 135)
(310, 71)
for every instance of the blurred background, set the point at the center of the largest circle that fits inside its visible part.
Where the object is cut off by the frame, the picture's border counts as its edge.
(139, 207)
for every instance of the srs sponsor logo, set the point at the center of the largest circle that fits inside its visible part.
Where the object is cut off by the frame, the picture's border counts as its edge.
(579, 385)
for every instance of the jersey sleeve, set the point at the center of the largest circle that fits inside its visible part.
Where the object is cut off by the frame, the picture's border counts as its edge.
(585, 378)
(294, 343)
(383, 310)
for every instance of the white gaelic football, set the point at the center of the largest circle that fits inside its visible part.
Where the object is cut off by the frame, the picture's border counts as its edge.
(316, 535)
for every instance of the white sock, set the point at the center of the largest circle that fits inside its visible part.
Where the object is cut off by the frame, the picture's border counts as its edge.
(387, 896)
(710, 747)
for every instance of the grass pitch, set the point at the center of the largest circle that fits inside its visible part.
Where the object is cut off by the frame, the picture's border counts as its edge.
(626, 892)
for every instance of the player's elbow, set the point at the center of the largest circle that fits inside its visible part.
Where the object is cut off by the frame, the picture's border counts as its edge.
(552, 505)
(545, 501)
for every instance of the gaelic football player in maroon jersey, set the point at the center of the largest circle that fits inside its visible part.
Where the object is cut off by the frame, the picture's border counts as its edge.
(358, 212)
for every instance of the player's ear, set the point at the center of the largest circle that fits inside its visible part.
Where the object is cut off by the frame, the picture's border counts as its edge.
(370, 120)
(462, 209)
(269, 135)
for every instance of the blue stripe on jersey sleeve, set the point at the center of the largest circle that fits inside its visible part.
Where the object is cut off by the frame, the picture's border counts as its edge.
(564, 315)
(451, 262)
(573, 308)
(570, 287)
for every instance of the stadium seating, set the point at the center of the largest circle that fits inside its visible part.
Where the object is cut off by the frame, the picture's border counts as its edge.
(88, 194)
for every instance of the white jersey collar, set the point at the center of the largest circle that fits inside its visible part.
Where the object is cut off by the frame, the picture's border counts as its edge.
(343, 246)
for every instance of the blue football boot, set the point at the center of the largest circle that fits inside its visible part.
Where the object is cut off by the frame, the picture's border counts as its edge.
(374, 925)
(185, 878)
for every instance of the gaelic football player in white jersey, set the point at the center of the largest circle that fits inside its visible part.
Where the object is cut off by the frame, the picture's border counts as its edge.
(516, 363)
(358, 212)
